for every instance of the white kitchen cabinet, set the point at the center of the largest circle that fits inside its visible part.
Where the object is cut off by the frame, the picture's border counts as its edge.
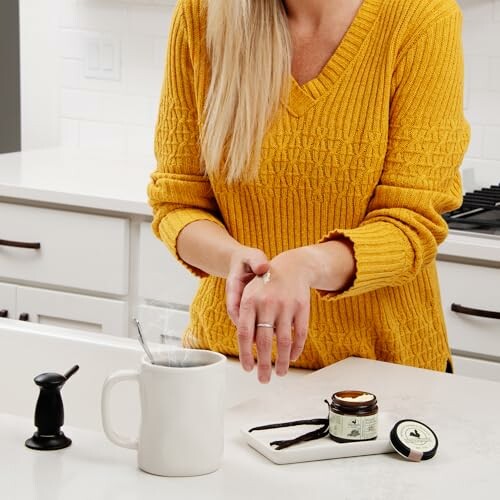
(76, 250)
(72, 310)
(8, 301)
(476, 368)
(476, 287)
(161, 277)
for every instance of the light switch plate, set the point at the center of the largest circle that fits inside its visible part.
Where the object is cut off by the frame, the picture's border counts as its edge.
(102, 57)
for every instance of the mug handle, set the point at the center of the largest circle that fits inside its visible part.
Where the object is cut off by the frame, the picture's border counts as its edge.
(109, 383)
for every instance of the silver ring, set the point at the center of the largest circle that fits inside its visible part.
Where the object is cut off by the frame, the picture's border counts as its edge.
(265, 325)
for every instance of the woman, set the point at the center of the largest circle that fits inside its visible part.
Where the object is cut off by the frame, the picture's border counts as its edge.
(306, 151)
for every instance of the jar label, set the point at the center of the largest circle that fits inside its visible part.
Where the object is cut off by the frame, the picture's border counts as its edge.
(416, 436)
(352, 427)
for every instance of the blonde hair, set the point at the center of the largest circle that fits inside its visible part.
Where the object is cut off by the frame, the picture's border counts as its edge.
(249, 47)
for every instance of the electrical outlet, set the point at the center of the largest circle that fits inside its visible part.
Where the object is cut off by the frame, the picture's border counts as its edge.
(102, 57)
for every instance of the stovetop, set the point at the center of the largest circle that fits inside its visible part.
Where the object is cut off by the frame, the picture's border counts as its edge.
(479, 213)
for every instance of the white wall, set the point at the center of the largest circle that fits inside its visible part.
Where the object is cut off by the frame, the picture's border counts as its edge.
(481, 37)
(40, 79)
(119, 115)
(61, 104)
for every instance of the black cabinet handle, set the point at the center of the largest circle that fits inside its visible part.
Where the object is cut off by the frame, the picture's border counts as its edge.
(20, 244)
(4, 313)
(24, 317)
(474, 312)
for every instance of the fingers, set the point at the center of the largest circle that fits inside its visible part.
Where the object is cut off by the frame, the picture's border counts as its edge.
(300, 326)
(242, 271)
(234, 289)
(283, 315)
(284, 344)
(264, 343)
(258, 262)
(267, 312)
(245, 333)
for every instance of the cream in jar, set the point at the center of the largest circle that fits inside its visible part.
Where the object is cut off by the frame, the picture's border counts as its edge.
(353, 416)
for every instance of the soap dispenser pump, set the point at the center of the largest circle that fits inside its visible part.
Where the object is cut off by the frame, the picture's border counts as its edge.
(49, 412)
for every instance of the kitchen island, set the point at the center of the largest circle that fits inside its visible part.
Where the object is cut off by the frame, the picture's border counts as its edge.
(91, 207)
(462, 411)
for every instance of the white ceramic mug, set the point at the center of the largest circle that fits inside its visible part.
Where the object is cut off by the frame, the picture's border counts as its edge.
(182, 412)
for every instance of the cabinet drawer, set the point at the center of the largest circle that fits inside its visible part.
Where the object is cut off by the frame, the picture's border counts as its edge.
(77, 250)
(161, 277)
(71, 310)
(476, 368)
(475, 287)
(7, 301)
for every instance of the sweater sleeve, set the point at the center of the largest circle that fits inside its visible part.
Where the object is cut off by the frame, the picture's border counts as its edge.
(178, 192)
(420, 180)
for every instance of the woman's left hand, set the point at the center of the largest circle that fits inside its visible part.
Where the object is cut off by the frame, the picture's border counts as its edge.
(284, 302)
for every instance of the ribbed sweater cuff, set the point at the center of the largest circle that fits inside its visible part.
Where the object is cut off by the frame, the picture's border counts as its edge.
(383, 257)
(173, 223)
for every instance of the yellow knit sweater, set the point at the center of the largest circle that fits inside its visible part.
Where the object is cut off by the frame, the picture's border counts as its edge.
(369, 149)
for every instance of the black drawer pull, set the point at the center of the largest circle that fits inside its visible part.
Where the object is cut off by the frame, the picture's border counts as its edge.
(24, 317)
(20, 244)
(4, 313)
(474, 312)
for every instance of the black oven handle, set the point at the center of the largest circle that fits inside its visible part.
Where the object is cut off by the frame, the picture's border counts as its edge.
(474, 312)
(20, 244)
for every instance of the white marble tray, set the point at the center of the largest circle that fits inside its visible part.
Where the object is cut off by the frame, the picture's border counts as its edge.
(320, 449)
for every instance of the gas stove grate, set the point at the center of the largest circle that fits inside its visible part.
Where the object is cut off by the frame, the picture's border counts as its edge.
(480, 209)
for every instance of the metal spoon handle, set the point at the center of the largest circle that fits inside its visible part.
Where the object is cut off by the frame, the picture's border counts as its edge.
(143, 342)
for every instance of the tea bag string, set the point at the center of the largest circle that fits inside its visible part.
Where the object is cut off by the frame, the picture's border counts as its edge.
(308, 436)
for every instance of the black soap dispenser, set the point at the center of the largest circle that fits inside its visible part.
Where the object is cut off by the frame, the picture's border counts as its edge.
(49, 412)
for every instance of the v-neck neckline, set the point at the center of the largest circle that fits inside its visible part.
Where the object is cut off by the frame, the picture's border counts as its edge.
(302, 97)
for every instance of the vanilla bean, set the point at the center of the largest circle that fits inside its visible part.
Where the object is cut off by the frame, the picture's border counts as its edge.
(309, 436)
(313, 421)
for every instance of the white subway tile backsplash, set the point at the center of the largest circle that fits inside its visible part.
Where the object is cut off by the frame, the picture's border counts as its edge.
(494, 75)
(73, 78)
(68, 14)
(477, 25)
(70, 132)
(85, 105)
(148, 20)
(151, 2)
(491, 147)
(71, 42)
(486, 172)
(145, 81)
(103, 136)
(159, 51)
(71, 73)
(140, 110)
(140, 140)
(104, 15)
(138, 52)
(107, 107)
(496, 11)
(477, 71)
(484, 107)
(475, 149)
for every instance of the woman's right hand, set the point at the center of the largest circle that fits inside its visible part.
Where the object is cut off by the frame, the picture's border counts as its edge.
(245, 264)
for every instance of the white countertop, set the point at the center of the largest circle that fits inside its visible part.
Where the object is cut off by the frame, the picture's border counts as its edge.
(109, 182)
(462, 411)
(78, 178)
